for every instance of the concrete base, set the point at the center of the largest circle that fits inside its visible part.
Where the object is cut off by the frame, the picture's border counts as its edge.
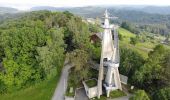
(69, 98)
(108, 93)
(91, 92)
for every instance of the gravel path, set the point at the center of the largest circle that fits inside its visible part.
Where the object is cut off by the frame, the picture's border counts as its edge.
(62, 84)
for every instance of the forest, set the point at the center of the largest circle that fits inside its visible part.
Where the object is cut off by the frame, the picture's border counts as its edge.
(33, 47)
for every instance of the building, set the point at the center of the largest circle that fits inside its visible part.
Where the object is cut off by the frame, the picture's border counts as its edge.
(109, 62)
(109, 59)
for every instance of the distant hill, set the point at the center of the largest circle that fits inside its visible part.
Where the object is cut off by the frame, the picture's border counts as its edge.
(159, 10)
(144, 18)
(135, 14)
(150, 9)
(45, 8)
(81, 11)
(96, 9)
(4, 10)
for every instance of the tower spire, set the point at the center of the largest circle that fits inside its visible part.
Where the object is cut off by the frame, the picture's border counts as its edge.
(106, 14)
(109, 59)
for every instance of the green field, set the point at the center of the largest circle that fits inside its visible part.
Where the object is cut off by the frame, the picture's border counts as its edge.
(40, 91)
(141, 48)
(113, 94)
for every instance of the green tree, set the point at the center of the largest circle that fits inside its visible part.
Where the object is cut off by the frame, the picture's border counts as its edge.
(162, 94)
(133, 40)
(129, 26)
(79, 58)
(153, 69)
(94, 28)
(31, 48)
(50, 57)
(140, 95)
(131, 61)
(77, 34)
(165, 75)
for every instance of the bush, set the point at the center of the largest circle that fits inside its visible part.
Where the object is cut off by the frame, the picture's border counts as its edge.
(162, 94)
(3, 88)
(140, 95)
(116, 94)
(133, 40)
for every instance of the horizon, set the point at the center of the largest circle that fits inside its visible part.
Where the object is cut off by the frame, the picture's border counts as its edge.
(142, 6)
(27, 4)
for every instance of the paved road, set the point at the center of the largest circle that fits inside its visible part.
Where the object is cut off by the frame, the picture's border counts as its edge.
(62, 84)
(81, 94)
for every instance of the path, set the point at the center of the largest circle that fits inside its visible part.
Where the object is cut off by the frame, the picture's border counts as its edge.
(81, 94)
(62, 84)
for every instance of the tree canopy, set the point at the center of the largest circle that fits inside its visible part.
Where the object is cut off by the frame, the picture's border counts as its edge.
(33, 46)
(156, 68)
(140, 95)
(162, 94)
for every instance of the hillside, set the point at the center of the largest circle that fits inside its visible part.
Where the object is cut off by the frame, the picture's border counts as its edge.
(8, 13)
(165, 10)
(50, 8)
(142, 48)
(156, 9)
(141, 20)
(4, 10)
(81, 11)
(126, 43)
(33, 46)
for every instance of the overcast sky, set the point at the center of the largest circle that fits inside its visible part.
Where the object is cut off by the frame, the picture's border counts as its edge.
(26, 4)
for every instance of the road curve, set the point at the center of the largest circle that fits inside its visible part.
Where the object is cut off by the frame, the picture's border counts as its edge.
(62, 84)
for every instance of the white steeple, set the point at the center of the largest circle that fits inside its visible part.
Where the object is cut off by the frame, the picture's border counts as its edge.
(109, 59)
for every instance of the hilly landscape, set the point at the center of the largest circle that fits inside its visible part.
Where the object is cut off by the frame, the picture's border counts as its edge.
(8, 10)
(48, 52)
(138, 16)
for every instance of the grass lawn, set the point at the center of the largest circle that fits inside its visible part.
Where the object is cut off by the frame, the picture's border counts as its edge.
(113, 94)
(40, 91)
(91, 83)
(125, 33)
(101, 98)
(116, 94)
(141, 48)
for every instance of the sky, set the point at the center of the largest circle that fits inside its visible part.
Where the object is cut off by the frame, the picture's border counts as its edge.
(26, 4)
